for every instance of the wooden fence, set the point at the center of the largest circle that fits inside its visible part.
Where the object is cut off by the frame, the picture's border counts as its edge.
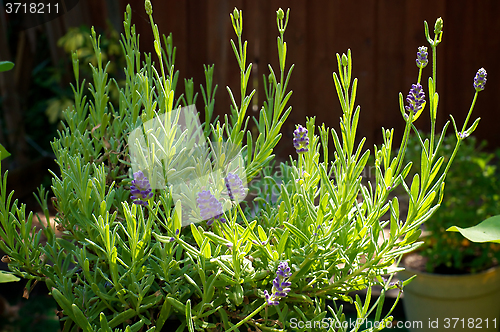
(383, 36)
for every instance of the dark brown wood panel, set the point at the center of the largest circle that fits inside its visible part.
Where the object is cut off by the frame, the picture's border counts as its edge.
(383, 35)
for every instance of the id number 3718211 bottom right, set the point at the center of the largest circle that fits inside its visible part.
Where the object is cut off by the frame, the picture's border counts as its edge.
(456, 323)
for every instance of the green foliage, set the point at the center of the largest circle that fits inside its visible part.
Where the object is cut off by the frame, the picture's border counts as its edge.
(123, 266)
(78, 41)
(472, 195)
(6, 65)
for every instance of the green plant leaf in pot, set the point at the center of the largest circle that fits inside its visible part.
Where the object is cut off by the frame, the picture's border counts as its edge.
(486, 231)
(6, 65)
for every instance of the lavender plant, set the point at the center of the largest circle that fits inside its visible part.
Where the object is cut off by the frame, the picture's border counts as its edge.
(127, 262)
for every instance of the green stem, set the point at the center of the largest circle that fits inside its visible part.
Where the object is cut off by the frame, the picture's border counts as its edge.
(403, 144)
(434, 62)
(255, 312)
(470, 112)
(431, 146)
(459, 138)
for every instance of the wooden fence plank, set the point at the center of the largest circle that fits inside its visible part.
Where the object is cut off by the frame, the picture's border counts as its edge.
(382, 34)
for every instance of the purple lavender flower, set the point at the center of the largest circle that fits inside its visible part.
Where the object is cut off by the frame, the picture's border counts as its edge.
(280, 285)
(422, 60)
(480, 80)
(140, 189)
(234, 187)
(415, 98)
(392, 283)
(210, 207)
(300, 139)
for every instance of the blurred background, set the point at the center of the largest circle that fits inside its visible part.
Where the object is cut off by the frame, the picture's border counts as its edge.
(383, 36)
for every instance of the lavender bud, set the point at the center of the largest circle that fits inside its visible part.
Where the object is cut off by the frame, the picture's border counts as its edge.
(140, 189)
(169, 41)
(345, 60)
(416, 98)
(236, 14)
(234, 187)
(300, 139)
(422, 54)
(149, 7)
(210, 207)
(281, 285)
(438, 26)
(280, 14)
(480, 79)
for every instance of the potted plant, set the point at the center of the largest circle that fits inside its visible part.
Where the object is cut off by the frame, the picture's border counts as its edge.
(458, 282)
(151, 204)
(449, 267)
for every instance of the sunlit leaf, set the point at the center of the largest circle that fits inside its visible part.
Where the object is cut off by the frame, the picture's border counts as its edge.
(486, 231)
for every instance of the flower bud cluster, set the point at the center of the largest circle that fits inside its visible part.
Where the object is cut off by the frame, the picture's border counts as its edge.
(416, 98)
(480, 79)
(210, 207)
(300, 139)
(280, 285)
(140, 189)
(234, 187)
(422, 54)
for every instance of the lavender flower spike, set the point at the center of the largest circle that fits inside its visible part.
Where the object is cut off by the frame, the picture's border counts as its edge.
(140, 189)
(280, 285)
(415, 98)
(300, 139)
(480, 80)
(422, 60)
(234, 187)
(210, 207)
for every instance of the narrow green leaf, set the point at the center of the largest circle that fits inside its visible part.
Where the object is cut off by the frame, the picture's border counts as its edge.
(122, 317)
(295, 231)
(189, 318)
(196, 235)
(205, 249)
(104, 323)
(81, 320)
(282, 242)
(177, 304)
(262, 234)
